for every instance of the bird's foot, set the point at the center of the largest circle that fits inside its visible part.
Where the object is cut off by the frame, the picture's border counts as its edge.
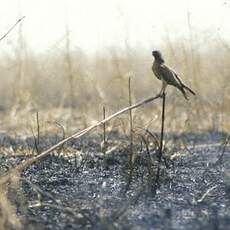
(161, 94)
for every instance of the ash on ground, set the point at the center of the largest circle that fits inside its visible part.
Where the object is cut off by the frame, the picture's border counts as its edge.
(78, 187)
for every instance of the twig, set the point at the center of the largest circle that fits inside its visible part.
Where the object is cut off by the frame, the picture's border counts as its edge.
(220, 158)
(37, 141)
(63, 133)
(75, 213)
(58, 205)
(149, 164)
(38, 127)
(130, 125)
(154, 137)
(40, 192)
(161, 143)
(150, 134)
(11, 28)
(206, 194)
(104, 127)
(7, 176)
(69, 64)
(124, 208)
(104, 141)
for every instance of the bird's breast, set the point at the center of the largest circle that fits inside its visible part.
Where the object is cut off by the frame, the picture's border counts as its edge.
(156, 71)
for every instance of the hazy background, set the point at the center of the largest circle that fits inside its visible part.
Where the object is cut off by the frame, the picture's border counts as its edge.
(68, 59)
(95, 25)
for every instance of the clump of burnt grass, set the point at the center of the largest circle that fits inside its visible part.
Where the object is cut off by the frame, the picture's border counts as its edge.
(6, 178)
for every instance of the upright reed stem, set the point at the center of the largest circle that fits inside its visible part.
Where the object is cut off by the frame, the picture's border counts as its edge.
(161, 143)
(104, 141)
(130, 125)
(130, 157)
(104, 126)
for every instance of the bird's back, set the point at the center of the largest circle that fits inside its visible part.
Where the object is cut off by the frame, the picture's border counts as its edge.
(163, 72)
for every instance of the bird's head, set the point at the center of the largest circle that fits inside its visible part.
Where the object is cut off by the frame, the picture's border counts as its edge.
(158, 57)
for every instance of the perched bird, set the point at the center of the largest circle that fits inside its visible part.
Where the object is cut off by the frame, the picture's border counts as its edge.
(167, 75)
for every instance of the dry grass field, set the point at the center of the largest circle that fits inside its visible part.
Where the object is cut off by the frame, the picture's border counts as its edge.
(68, 86)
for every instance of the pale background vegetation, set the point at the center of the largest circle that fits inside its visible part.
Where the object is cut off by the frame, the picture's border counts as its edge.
(80, 71)
(66, 85)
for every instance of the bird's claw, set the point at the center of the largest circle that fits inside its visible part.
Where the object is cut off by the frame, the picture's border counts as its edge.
(160, 94)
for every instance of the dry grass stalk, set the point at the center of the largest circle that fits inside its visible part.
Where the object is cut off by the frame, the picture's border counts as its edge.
(11, 28)
(131, 160)
(104, 143)
(130, 125)
(161, 143)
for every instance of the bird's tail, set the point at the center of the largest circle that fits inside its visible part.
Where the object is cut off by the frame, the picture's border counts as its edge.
(181, 88)
(186, 87)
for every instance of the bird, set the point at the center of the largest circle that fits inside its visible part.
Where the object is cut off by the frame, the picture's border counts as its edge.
(167, 75)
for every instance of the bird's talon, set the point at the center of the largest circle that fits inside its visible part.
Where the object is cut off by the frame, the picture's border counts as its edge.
(160, 95)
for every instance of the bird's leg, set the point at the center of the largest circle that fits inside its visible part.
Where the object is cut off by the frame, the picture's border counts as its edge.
(163, 88)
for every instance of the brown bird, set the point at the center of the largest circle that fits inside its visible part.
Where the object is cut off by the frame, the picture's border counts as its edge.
(167, 75)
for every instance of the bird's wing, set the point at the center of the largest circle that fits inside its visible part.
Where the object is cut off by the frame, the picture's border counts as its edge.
(176, 76)
(169, 76)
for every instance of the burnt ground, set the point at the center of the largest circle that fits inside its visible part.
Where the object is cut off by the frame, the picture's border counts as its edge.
(89, 191)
